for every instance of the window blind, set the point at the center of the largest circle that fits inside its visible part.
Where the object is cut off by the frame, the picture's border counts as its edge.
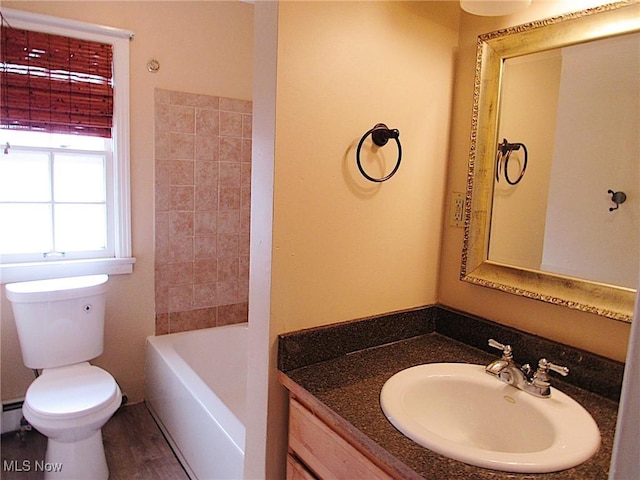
(56, 84)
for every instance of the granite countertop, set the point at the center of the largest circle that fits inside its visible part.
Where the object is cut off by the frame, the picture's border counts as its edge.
(349, 387)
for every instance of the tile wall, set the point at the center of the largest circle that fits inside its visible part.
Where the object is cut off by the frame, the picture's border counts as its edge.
(202, 207)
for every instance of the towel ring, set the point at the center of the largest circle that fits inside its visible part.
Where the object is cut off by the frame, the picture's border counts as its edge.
(504, 153)
(380, 135)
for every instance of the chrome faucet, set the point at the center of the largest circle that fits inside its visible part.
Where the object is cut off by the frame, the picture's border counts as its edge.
(536, 383)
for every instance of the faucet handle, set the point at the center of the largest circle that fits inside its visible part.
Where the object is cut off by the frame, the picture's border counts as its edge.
(540, 380)
(545, 365)
(506, 349)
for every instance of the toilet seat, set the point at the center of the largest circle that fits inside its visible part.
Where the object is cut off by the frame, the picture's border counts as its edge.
(72, 391)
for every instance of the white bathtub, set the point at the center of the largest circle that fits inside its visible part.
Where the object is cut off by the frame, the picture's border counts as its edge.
(196, 391)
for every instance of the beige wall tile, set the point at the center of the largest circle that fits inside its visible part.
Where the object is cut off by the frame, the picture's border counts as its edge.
(205, 271)
(182, 146)
(205, 247)
(205, 223)
(229, 221)
(230, 174)
(180, 298)
(207, 122)
(202, 205)
(181, 197)
(247, 126)
(205, 295)
(229, 198)
(230, 149)
(206, 196)
(207, 148)
(206, 173)
(228, 246)
(235, 105)
(181, 172)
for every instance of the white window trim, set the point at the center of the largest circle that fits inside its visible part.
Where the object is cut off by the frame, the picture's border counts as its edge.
(123, 261)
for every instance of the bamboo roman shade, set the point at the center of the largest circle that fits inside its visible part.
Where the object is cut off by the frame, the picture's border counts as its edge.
(55, 84)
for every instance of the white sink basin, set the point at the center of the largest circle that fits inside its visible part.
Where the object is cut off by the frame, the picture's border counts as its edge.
(461, 412)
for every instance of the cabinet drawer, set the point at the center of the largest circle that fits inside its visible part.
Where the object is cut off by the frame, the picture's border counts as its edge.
(327, 454)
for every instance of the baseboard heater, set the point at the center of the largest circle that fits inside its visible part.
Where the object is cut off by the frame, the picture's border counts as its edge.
(11, 416)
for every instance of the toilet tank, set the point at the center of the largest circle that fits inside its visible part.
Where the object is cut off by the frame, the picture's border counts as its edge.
(59, 321)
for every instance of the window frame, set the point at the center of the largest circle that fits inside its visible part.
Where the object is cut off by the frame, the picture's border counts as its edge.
(122, 261)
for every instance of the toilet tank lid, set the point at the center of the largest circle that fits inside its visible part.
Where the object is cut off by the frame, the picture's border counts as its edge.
(56, 287)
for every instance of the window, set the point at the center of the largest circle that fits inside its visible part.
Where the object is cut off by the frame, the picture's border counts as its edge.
(55, 193)
(64, 167)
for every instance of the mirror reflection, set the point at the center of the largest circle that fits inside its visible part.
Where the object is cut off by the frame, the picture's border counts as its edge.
(553, 185)
(566, 197)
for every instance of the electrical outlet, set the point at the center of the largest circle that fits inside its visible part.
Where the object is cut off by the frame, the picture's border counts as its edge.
(456, 213)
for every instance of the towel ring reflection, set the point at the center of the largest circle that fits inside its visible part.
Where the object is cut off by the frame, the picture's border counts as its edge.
(504, 153)
(380, 135)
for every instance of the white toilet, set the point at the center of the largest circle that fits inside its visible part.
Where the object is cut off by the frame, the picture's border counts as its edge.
(60, 325)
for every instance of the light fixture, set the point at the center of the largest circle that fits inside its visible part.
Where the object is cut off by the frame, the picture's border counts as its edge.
(493, 8)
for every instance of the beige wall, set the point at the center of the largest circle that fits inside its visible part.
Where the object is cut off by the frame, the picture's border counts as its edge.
(344, 247)
(202, 47)
(590, 332)
(517, 223)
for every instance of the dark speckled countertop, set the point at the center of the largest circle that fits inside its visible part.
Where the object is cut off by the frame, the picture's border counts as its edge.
(347, 381)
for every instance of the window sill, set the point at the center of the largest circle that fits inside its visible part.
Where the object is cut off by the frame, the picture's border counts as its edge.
(22, 272)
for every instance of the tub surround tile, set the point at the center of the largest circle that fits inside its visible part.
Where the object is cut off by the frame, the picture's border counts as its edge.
(205, 317)
(235, 105)
(231, 314)
(202, 206)
(162, 323)
(205, 247)
(207, 123)
(207, 148)
(205, 271)
(182, 146)
(205, 295)
(231, 124)
(192, 319)
(344, 367)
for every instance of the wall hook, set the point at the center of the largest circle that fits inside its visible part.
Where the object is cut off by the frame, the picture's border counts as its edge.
(380, 135)
(617, 198)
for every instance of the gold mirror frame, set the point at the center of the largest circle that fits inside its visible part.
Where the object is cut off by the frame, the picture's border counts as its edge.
(493, 49)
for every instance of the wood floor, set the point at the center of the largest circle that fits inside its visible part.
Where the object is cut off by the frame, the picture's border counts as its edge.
(134, 446)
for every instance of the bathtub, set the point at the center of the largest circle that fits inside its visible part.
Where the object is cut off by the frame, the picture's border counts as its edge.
(196, 391)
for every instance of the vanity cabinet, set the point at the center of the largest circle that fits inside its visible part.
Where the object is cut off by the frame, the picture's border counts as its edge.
(317, 451)
(337, 428)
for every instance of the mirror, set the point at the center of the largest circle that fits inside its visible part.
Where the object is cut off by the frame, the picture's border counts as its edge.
(553, 192)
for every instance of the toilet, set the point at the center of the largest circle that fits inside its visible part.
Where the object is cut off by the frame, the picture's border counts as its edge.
(60, 324)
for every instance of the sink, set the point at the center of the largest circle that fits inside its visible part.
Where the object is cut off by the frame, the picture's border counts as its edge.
(461, 412)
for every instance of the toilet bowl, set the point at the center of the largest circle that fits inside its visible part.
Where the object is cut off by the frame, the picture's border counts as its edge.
(70, 405)
(60, 326)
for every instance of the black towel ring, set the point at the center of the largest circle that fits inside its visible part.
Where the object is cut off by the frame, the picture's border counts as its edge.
(380, 134)
(504, 153)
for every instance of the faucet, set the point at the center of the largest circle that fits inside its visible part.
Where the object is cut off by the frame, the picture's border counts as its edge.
(524, 378)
